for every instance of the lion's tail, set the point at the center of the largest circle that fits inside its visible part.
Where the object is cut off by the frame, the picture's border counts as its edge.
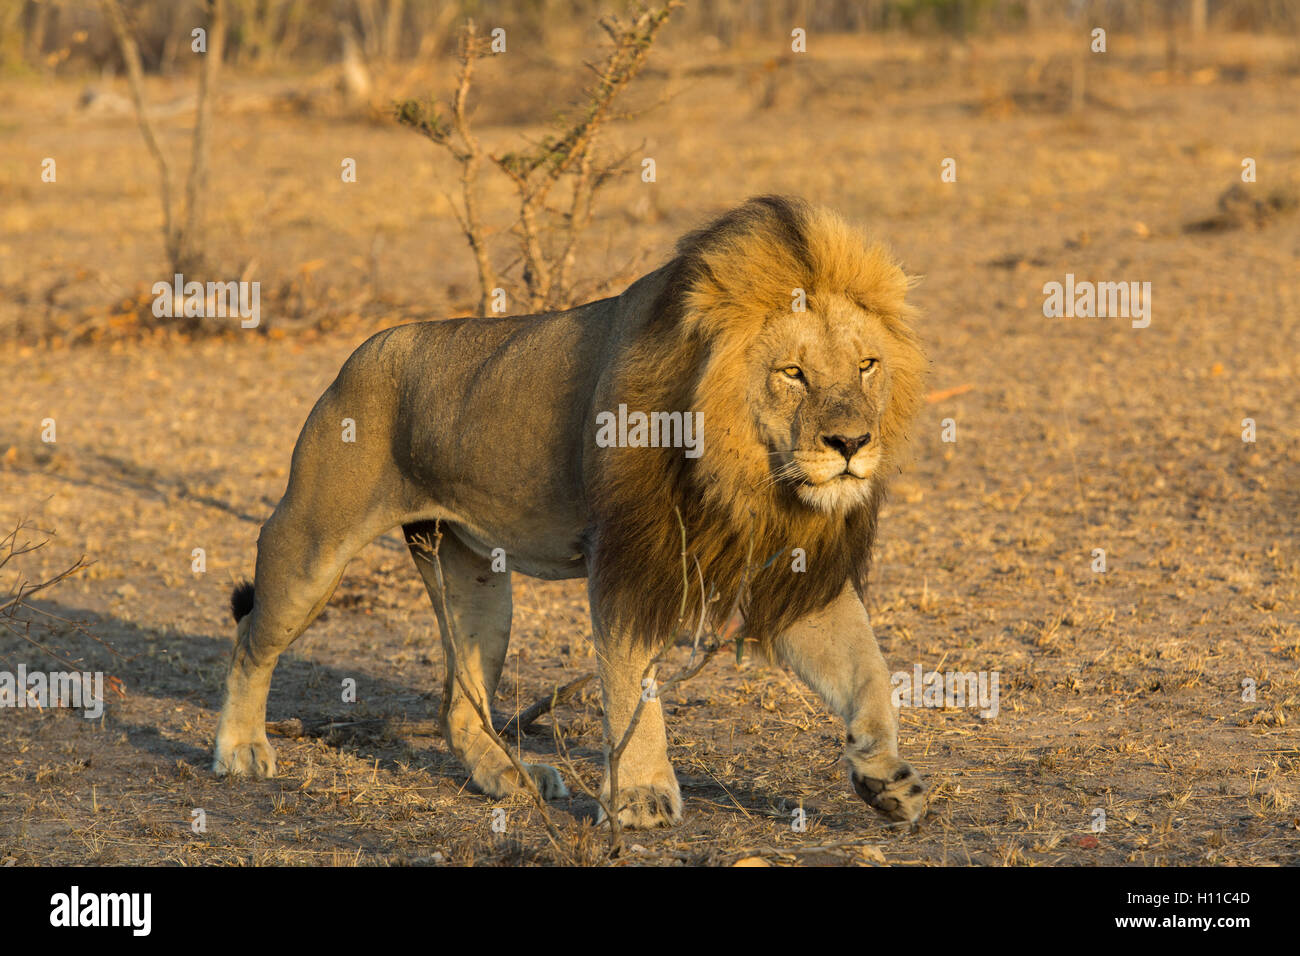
(241, 600)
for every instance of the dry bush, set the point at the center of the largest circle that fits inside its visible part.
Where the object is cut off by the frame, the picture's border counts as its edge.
(17, 616)
(547, 237)
(182, 234)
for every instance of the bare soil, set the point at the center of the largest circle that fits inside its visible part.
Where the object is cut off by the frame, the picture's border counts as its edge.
(1120, 691)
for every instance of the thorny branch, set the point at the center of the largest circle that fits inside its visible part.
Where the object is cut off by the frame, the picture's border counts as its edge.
(14, 545)
(548, 263)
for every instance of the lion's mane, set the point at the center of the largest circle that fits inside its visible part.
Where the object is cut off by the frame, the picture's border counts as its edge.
(690, 354)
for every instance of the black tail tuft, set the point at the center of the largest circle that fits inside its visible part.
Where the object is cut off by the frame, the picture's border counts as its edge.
(241, 600)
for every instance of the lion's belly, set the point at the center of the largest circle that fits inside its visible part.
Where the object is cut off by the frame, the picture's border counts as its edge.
(550, 553)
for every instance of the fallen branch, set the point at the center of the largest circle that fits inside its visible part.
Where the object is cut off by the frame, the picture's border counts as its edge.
(946, 393)
(518, 725)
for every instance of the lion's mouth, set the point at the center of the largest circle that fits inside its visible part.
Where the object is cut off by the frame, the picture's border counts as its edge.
(817, 477)
(845, 475)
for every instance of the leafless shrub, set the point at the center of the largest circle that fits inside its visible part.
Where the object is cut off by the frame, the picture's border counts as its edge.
(182, 235)
(267, 30)
(29, 623)
(547, 236)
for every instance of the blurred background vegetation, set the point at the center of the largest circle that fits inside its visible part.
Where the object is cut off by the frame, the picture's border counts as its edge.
(723, 104)
(70, 36)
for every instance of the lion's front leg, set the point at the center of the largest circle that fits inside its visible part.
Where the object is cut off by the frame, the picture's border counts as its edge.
(835, 652)
(648, 795)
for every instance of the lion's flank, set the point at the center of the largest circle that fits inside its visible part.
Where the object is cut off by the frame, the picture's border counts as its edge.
(725, 281)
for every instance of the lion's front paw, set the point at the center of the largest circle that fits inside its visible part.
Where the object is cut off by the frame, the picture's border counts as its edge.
(250, 759)
(890, 786)
(648, 807)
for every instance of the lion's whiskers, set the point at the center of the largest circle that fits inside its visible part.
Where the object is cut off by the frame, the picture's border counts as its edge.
(789, 469)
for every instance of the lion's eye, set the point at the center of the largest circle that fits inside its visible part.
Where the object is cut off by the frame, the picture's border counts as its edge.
(869, 365)
(794, 372)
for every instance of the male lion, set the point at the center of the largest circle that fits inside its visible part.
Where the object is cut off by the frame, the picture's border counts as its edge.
(782, 327)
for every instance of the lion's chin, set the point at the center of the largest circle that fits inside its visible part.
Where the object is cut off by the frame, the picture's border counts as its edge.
(839, 494)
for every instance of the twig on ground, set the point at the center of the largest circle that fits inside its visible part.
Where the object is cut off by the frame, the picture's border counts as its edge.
(519, 724)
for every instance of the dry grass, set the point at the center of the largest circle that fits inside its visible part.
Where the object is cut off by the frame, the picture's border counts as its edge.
(1119, 691)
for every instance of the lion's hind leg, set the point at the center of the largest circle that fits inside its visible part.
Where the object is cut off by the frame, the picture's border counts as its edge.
(301, 555)
(296, 575)
(342, 494)
(475, 627)
(241, 746)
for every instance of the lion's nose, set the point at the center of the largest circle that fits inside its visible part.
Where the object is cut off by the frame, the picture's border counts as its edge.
(846, 445)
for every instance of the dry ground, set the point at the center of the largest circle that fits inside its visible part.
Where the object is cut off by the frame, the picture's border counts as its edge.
(1120, 691)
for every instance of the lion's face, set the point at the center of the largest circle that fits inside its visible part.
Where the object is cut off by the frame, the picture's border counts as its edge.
(819, 388)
